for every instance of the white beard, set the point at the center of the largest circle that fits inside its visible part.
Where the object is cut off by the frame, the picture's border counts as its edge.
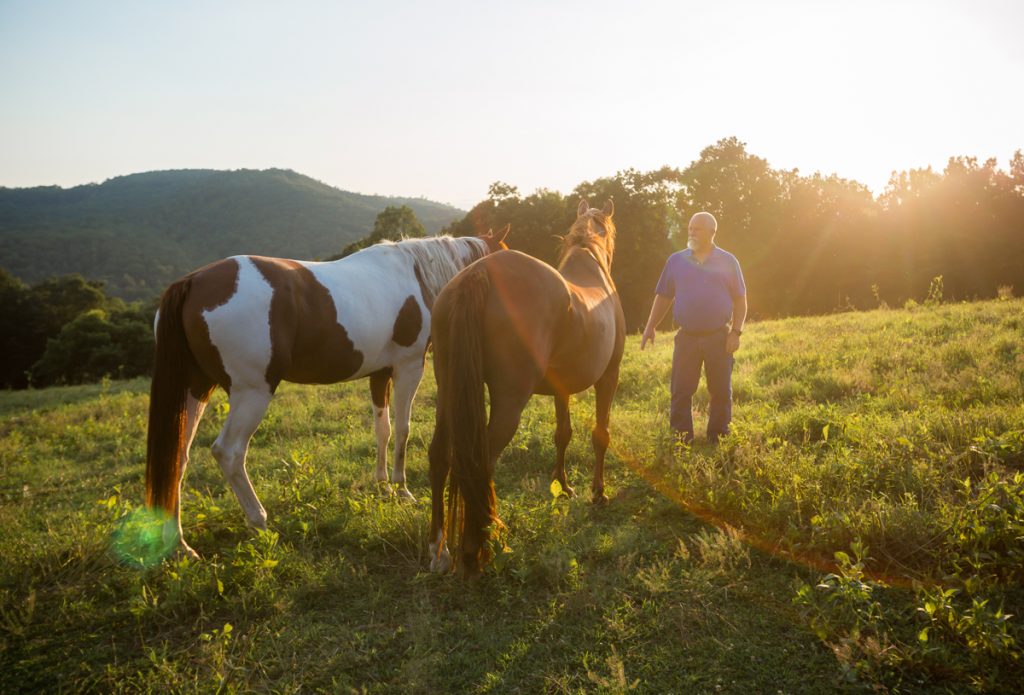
(691, 244)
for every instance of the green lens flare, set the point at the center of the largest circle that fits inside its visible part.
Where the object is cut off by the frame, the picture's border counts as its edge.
(144, 537)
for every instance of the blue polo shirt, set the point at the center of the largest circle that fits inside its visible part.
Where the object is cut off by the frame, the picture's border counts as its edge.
(703, 292)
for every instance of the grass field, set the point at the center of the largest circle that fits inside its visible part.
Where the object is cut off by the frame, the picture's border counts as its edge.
(861, 529)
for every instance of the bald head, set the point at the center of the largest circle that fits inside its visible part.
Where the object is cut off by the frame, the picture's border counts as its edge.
(701, 232)
(704, 220)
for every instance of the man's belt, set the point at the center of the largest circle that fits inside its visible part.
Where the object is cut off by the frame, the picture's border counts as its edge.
(702, 334)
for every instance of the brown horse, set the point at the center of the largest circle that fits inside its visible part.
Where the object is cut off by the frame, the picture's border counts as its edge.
(519, 326)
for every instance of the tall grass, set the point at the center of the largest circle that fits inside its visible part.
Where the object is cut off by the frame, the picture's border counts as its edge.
(863, 526)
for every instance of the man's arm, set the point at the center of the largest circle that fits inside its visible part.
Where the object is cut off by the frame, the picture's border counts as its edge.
(658, 309)
(739, 315)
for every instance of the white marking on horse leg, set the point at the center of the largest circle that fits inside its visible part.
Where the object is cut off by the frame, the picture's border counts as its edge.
(193, 413)
(440, 561)
(382, 427)
(247, 409)
(406, 379)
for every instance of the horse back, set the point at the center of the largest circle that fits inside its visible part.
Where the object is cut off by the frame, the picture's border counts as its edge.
(266, 320)
(526, 306)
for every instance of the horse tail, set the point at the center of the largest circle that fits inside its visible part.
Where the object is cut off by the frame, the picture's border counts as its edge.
(167, 401)
(472, 507)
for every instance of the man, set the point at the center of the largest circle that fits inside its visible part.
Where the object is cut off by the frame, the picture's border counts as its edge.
(706, 285)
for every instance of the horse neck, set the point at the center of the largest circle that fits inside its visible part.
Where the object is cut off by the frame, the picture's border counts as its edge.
(581, 266)
(435, 275)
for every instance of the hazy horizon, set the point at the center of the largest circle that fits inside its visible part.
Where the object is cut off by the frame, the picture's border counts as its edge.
(438, 102)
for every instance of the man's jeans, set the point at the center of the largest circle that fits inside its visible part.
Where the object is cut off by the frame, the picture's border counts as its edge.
(691, 351)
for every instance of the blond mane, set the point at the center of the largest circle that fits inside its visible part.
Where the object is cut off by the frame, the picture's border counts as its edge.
(438, 259)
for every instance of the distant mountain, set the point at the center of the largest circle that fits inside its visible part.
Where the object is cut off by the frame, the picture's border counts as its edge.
(140, 232)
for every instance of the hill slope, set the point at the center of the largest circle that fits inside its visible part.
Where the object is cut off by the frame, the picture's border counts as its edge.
(139, 232)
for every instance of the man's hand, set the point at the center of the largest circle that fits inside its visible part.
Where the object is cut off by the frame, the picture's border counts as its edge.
(648, 336)
(658, 310)
(732, 343)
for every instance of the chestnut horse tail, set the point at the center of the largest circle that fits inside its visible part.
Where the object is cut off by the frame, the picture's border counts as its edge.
(471, 502)
(167, 401)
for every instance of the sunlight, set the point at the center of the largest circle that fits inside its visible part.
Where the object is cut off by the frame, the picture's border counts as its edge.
(144, 538)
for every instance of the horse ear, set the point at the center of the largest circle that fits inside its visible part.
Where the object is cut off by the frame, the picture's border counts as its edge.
(499, 238)
(496, 242)
(582, 209)
(609, 208)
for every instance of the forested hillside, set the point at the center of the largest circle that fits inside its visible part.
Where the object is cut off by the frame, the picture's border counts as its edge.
(137, 233)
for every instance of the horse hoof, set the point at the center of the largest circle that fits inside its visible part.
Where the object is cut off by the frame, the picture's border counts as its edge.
(404, 494)
(569, 492)
(384, 489)
(600, 499)
(185, 551)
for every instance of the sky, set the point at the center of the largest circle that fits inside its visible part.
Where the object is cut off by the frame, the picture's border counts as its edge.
(440, 99)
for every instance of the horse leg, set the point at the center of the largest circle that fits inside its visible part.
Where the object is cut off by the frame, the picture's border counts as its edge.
(604, 391)
(440, 558)
(194, 408)
(247, 409)
(563, 433)
(407, 380)
(506, 409)
(380, 388)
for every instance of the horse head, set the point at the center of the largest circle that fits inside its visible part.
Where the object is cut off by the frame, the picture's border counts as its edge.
(594, 231)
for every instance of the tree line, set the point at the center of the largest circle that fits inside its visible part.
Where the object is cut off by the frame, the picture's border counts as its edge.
(807, 244)
(65, 330)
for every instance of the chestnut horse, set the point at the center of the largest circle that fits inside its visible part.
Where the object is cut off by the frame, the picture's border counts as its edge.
(247, 323)
(519, 326)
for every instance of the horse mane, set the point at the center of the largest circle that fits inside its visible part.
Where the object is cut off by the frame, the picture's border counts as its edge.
(438, 259)
(582, 235)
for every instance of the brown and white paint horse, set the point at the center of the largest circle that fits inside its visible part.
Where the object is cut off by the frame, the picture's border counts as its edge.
(519, 326)
(247, 323)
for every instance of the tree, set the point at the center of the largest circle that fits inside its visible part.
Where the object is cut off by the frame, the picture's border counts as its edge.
(65, 330)
(397, 222)
(394, 223)
(500, 191)
(30, 316)
(96, 344)
(825, 221)
(58, 300)
(16, 339)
